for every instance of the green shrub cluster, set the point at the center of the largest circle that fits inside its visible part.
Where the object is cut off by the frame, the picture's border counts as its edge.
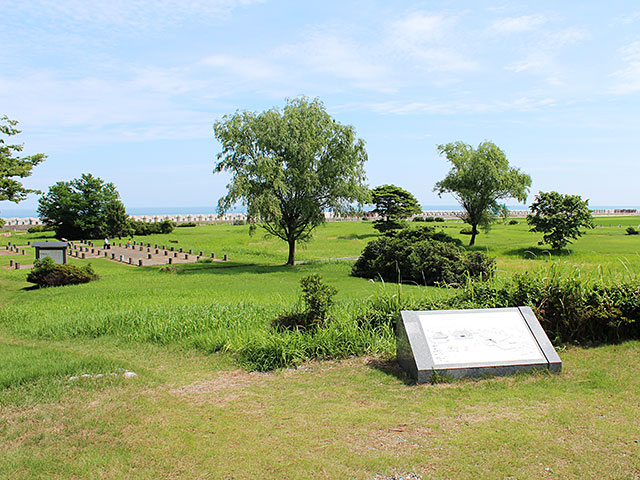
(317, 298)
(571, 310)
(438, 219)
(39, 229)
(418, 219)
(187, 225)
(46, 273)
(513, 222)
(421, 255)
(141, 228)
(632, 231)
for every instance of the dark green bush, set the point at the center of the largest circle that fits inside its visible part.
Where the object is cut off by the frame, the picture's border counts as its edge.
(46, 273)
(418, 219)
(466, 231)
(429, 219)
(439, 219)
(422, 255)
(141, 228)
(35, 229)
(571, 310)
(632, 231)
(239, 222)
(513, 222)
(317, 298)
(187, 224)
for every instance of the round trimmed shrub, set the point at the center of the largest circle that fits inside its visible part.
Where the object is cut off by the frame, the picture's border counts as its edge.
(46, 273)
(422, 256)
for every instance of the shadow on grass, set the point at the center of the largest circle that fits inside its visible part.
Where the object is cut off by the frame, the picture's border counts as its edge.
(355, 236)
(390, 367)
(533, 253)
(231, 268)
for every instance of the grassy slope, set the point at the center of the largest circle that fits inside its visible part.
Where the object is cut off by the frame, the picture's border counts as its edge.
(195, 416)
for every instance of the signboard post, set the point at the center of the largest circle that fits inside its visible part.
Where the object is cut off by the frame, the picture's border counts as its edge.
(472, 343)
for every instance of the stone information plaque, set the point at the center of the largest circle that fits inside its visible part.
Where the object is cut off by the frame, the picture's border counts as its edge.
(472, 343)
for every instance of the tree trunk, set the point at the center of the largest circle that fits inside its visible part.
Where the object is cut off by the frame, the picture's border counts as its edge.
(474, 232)
(292, 252)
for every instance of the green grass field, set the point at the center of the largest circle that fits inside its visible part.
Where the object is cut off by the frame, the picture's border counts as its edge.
(193, 412)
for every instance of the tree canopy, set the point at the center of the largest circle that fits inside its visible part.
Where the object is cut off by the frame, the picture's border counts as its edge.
(13, 166)
(559, 217)
(288, 166)
(394, 204)
(84, 207)
(478, 179)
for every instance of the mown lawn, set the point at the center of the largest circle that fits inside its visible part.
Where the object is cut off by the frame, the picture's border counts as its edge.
(192, 413)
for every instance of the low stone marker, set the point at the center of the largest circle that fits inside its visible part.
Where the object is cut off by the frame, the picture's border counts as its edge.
(472, 343)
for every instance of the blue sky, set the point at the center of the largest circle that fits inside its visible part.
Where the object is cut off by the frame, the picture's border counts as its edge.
(129, 89)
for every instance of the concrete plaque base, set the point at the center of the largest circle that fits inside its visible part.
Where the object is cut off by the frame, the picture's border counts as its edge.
(472, 343)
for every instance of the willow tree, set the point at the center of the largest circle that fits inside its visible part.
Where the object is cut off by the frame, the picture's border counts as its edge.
(14, 166)
(289, 166)
(478, 179)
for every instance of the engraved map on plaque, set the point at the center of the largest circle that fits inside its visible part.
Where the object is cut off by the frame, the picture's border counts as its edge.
(484, 337)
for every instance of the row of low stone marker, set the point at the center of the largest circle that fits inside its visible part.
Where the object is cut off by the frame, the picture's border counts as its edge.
(16, 249)
(122, 258)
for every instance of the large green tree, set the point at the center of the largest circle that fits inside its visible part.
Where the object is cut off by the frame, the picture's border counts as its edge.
(559, 217)
(288, 166)
(479, 177)
(394, 205)
(12, 165)
(84, 207)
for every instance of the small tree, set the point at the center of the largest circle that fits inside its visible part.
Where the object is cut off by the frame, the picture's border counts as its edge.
(13, 166)
(84, 207)
(290, 166)
(559, 217)
(478, 179)
(394, 204)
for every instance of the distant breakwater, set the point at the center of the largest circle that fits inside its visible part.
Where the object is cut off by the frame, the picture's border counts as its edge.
(230, 218)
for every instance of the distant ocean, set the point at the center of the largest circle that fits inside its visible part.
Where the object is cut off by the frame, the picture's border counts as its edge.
(26, 212)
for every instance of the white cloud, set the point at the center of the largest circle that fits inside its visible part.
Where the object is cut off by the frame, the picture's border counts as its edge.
(432, 41)
(519, 104)
(540, 55)
(627, 79)
(517, 24)
(131, 15)
(327, 52)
